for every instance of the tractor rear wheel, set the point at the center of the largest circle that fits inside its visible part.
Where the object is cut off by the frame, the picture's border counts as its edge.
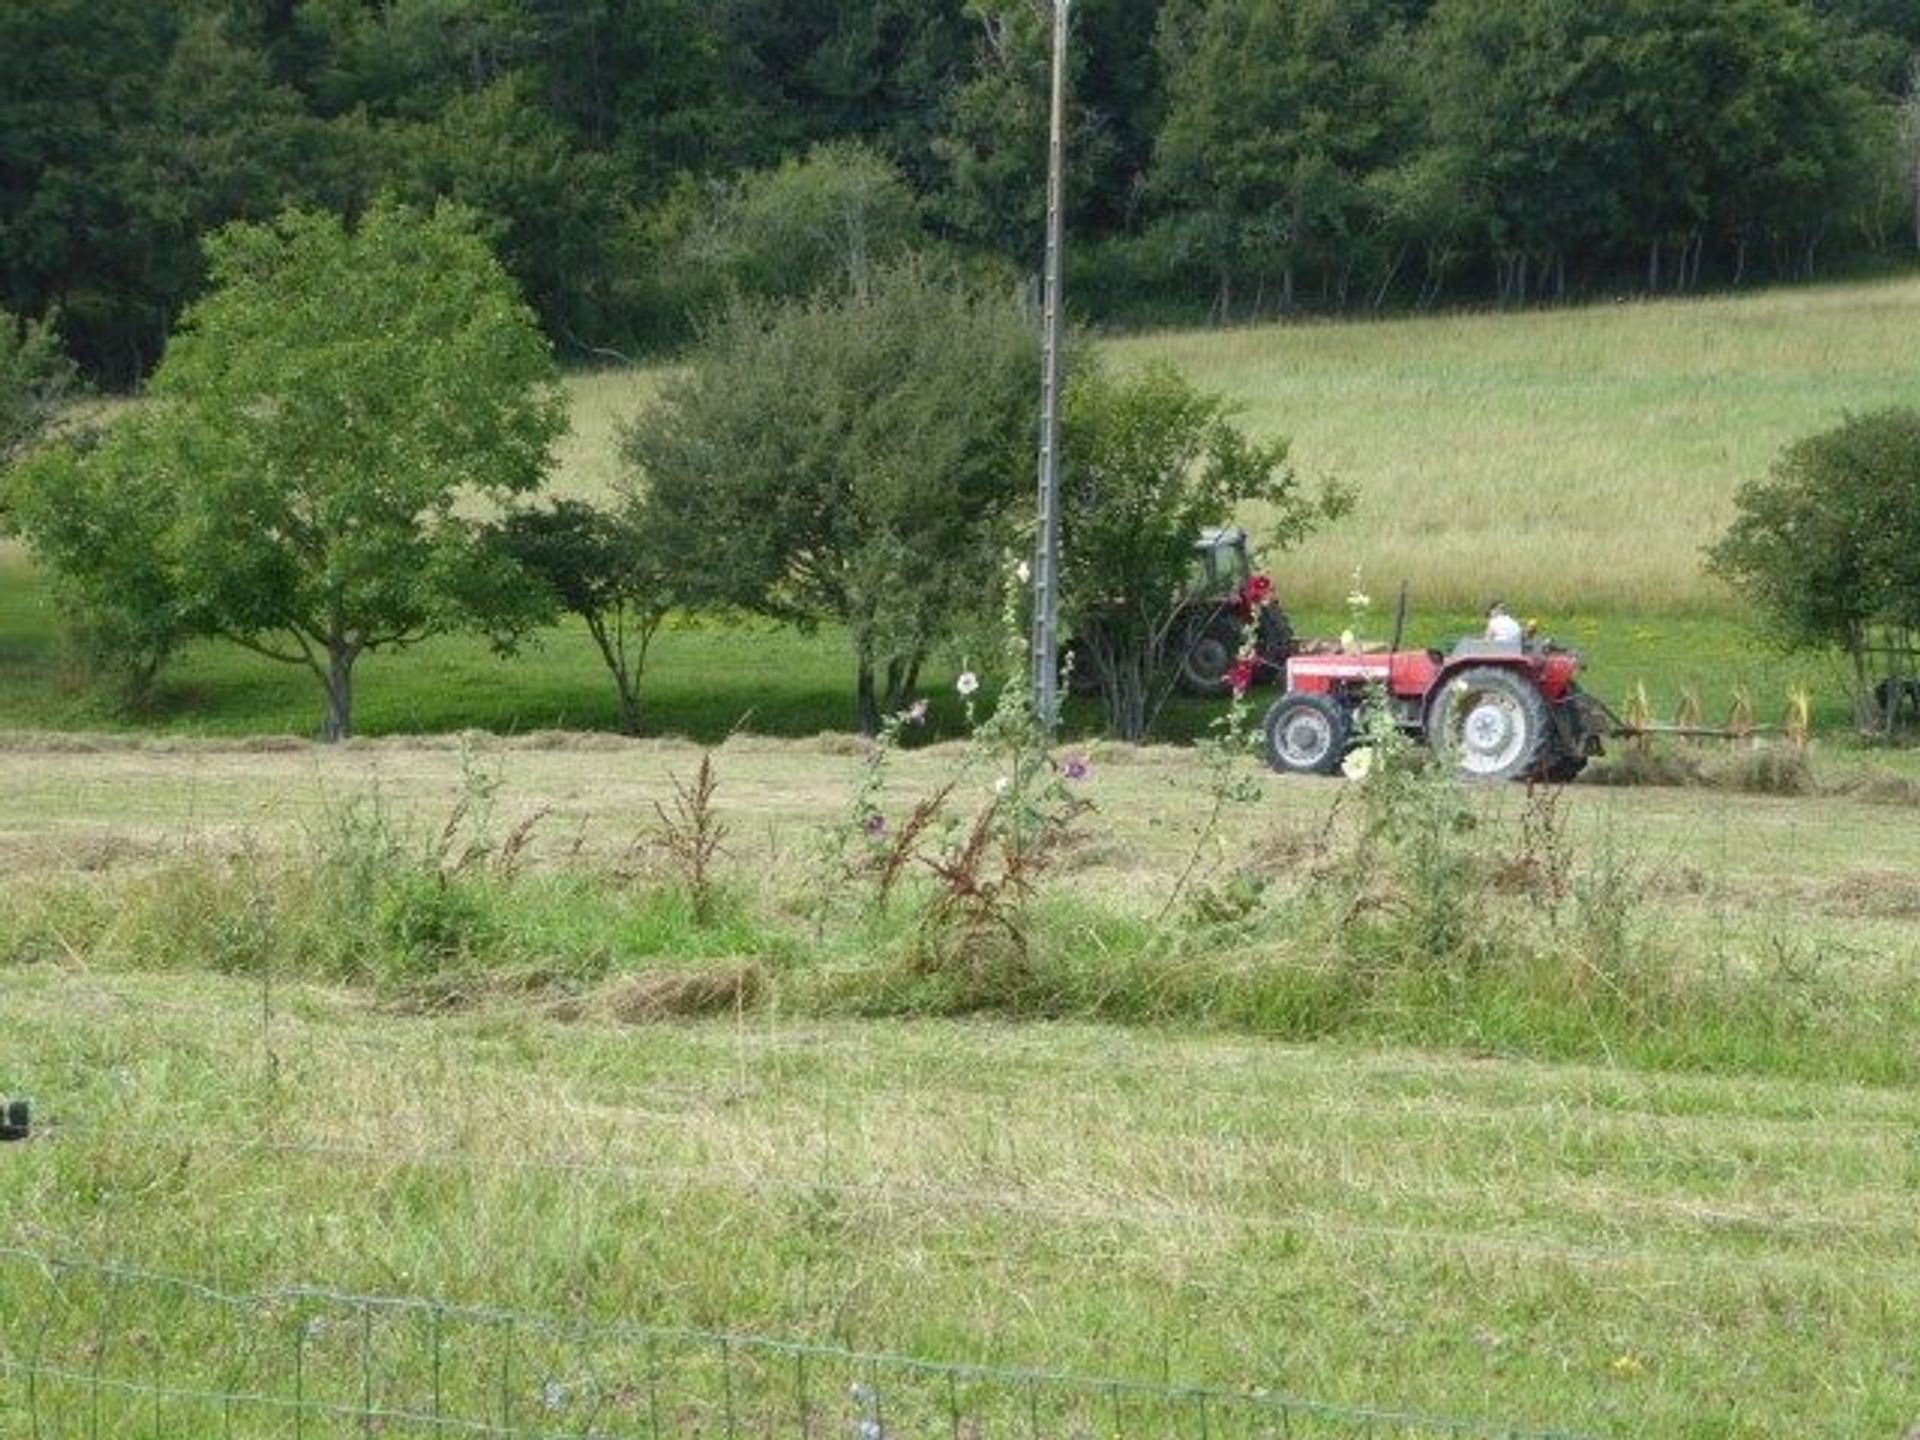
(1306, 734)
(1209, 645)
(1491, 723)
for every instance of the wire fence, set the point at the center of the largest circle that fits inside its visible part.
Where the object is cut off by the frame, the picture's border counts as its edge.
(95, 1350)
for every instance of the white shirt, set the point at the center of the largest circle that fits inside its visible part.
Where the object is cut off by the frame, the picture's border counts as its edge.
(1504, 628)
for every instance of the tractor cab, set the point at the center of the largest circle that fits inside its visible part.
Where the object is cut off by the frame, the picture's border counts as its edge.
(1222, 565)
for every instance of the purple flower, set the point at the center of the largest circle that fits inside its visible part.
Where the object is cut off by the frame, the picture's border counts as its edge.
(917, 713)
(876, 824)
(1076, 767)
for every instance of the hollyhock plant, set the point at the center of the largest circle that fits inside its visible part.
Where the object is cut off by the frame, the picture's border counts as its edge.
(1256, 591)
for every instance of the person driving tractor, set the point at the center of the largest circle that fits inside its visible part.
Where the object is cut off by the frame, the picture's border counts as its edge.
(1501, 626)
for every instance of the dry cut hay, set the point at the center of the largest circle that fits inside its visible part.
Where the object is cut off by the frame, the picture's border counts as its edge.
(1762, 770)
(721, 987)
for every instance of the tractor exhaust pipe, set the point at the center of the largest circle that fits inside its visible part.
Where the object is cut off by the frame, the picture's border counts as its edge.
(1399, 620)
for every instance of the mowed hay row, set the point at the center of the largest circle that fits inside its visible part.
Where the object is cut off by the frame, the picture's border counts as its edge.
(1572, 459)
(1551, 1246)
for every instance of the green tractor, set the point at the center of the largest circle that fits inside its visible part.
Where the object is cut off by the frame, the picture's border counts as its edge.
(1204, 638)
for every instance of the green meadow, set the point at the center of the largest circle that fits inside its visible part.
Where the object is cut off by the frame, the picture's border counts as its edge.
(1584, 1112)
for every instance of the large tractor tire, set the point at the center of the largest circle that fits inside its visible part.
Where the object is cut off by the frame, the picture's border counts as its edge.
(1275, 641)
(1306, 734)
(1209, 643)
(1578, 726)
(1490, 723)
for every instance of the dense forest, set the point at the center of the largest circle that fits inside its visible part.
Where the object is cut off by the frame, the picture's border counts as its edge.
(637, 159)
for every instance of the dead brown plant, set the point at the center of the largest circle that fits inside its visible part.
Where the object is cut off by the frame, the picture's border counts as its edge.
(692, 837)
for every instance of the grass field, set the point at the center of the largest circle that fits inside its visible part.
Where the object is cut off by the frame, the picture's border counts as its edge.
(1542, 1231)
(1573, 461)
(1629, 1150)
(707, 679)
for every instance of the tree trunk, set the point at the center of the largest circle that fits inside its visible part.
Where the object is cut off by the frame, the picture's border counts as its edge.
(1866, 717)
(1386, 282)
(896, 696)
(625, 683)
(867, 702)
(1125, 683)
(1653, 268)
(338, 724)
(1739, 261)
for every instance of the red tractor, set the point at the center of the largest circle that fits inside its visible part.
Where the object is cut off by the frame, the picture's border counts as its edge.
(1494, 710)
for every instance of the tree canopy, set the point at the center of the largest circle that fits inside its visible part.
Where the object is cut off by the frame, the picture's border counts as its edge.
(852, 458)
(325, 424)
(1241, 156)
(1827, 548)
(36, 378)
(1150, 461)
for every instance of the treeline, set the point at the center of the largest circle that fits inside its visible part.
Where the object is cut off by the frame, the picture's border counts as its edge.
(638, 159)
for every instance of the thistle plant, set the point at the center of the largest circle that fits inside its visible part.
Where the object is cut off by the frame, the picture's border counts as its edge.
(1231, 742)
(984, 862)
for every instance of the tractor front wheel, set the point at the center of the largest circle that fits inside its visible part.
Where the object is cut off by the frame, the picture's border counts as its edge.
(1306, 734)
(1490, 723)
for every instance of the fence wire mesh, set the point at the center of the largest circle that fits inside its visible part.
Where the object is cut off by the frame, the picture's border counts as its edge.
(90, 1350)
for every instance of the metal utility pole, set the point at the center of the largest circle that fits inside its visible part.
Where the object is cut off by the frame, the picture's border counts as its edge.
(1046, 567)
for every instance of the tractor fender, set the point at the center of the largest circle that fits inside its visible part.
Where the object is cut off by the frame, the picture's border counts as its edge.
(1550, 672)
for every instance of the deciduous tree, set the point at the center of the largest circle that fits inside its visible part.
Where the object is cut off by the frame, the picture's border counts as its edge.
(604, 567)
(325, 427)
(850, 458)
(1827, 549)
